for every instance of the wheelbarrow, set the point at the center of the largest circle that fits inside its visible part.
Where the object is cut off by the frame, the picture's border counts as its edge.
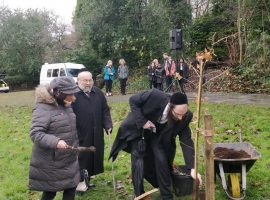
(234, 167)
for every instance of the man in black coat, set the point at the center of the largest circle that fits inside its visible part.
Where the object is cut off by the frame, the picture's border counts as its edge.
(149, 134)
(182, 69)
(93, 115)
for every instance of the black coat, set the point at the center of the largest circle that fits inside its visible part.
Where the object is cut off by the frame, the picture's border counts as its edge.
(183, 70)
(159, 73)
(149, 105)
(151, 73)
(93, 116)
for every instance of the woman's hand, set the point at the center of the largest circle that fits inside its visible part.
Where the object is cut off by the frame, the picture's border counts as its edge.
(193, 175)
(61, 144)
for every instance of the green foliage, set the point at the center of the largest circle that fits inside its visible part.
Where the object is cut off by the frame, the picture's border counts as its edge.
(25, 36)
(256, 68)
(218, 23)
(19, 80)
(135, 30)
(15, 151)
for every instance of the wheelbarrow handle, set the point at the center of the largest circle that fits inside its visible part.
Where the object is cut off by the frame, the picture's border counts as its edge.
(244, 177)
(222, 175)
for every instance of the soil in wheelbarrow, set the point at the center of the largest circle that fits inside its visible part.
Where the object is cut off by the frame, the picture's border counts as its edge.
(225, 153)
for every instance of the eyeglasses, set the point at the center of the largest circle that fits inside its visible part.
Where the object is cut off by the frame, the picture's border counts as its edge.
(87, 80)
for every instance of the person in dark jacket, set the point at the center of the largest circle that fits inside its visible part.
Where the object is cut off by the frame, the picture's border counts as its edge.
(53, 167)
(149, 133)
(159, 73)
(182, 69)
(93, 116)
(151, 75)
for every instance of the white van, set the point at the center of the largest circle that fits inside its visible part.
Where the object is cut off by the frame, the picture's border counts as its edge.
(50, 71)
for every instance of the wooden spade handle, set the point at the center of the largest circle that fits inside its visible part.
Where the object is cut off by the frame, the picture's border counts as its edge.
(146, 194)
(83, 149)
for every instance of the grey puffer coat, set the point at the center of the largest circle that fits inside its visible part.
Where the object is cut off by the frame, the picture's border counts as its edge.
(52, 169)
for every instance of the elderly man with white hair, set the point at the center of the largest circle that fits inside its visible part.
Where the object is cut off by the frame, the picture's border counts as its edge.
(93, 116)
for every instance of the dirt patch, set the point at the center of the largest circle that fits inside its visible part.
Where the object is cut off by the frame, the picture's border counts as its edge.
(225, 153)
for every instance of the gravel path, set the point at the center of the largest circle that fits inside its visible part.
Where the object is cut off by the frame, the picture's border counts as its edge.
(26, 98)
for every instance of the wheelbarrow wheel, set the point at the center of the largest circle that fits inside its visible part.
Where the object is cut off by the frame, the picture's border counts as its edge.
(233, 180)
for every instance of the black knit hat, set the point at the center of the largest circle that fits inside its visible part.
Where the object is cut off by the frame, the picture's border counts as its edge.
(178, 98)
(65, 84)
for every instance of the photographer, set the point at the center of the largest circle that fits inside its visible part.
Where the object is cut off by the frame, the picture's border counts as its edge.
(182, 73)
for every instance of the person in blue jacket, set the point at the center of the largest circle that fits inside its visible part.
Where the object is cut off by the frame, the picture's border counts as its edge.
(109, 72)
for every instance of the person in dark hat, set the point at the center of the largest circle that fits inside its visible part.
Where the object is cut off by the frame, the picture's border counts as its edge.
(149, 132)
(54, 167)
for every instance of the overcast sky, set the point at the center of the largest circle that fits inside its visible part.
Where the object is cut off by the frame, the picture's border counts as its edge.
(63, 8)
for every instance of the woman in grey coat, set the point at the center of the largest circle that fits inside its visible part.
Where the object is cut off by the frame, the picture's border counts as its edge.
(123, 75)
(53, 166)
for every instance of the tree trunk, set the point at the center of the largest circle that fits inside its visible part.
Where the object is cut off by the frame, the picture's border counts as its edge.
(239, 32)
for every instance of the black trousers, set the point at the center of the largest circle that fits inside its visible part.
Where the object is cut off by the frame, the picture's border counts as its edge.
(152, 84)
(181, 83)
(69, 194)
(159, 86)
(152, 165)
(123, 84)
(108, 84)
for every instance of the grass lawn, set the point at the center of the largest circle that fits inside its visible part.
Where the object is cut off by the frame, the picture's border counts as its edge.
(15, 150)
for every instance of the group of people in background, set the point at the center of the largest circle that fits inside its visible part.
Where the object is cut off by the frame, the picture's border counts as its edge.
(155, 74)
(109, 76)
(169, 71)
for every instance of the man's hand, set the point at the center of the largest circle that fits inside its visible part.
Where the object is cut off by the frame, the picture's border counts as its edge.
(109, 130)
(148, 125)
(61, 144)
(199, 177)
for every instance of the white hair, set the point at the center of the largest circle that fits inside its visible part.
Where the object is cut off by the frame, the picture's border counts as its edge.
(84, 73)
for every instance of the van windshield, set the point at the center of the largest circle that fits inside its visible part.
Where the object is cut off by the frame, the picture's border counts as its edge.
(72, 72)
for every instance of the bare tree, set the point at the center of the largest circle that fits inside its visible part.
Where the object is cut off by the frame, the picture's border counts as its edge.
(199, 7)
(239, 32)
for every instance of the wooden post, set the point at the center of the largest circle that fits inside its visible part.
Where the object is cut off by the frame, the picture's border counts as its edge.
(209, 158)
